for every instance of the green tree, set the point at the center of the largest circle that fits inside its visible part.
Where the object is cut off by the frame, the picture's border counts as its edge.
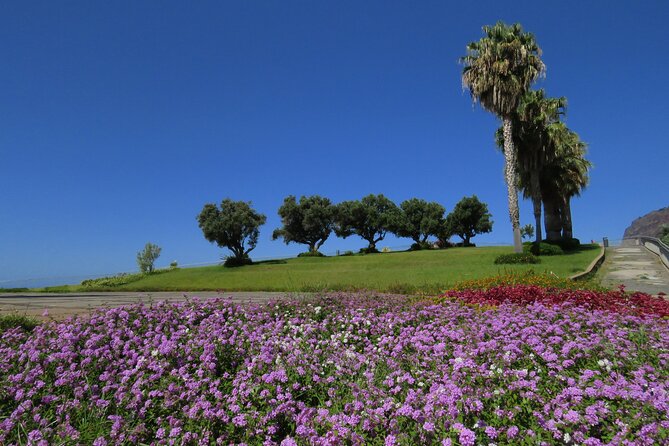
(527, 231)
(309, 221)
(498, 70)
(235, 226)
(469, 217)
(147, 257)
(418, 220)
(561, 180)
(664, 234)
(534, 123)
(370, 218)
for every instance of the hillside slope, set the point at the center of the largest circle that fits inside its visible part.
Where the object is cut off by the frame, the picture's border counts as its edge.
(649, 225)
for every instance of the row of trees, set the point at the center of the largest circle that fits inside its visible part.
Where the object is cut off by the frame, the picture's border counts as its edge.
(311, 220)
(543, 157)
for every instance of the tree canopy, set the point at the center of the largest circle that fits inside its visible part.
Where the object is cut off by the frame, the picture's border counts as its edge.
(419, 220)
(370, 218)
(469, 218)
(235, 226)
(498, 70)
(147, 257)
(309, 221)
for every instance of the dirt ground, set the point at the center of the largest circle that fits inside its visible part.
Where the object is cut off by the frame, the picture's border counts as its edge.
(59, 306)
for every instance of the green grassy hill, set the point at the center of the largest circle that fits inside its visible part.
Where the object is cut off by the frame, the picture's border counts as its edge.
(429, 271)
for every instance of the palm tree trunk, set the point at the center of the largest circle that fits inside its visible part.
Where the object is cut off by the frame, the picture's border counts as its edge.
(510, 177)
(567, 232)
(536, 202)
(552, 219)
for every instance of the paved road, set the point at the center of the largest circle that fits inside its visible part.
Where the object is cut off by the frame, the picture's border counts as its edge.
(635, 267)
(61, 305)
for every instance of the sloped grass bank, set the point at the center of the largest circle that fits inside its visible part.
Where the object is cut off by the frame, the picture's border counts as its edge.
(398, 272)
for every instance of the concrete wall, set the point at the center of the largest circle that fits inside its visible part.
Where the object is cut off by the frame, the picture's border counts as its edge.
(655, 248)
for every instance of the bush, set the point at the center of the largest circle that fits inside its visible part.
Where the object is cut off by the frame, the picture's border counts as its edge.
(8, 321)
(386, 249)
(465, 245)
(233, 261)
(569, 244)
(311, 254)
(516, 258)
(369, 251)
(346, 253)
(542, 249)
(420, 246)
(174, 265)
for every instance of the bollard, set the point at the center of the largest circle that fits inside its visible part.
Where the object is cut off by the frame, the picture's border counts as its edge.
(606, 242)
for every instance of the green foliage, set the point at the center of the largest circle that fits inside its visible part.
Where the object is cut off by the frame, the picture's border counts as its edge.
(664, 235)
(418, 220)
(234, 226)
(567, 244)
(234, 261)
(308, 222)
(368, 251)
(311, 254)
(499, 68)
(346, 253)
(517, 258)
(9, 321)
(527, 231)
(147, 257)
(370, 218)
(542, 249)
(174, 264)
(419, 246)
(469, 217)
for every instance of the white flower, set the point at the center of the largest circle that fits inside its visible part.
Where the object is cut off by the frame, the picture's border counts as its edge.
(154, 353)
(567, 437)
(458, 360)
(421, 383)
(317, 310)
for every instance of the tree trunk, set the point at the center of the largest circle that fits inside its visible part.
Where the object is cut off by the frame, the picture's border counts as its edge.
(510, 177)
(536, 203)
(567, 232)
(552, 219)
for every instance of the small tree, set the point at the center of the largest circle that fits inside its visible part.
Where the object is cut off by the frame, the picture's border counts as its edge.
(418, 220)
(527, 231)
(664, 234)
(234, 226)
(469, 217)
(370, 218)
(147, 257)
(309, 221)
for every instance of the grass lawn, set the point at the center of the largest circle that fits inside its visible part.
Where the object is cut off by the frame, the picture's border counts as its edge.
(401, 272)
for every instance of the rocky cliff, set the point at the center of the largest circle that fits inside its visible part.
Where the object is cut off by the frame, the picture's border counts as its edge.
(650, 224)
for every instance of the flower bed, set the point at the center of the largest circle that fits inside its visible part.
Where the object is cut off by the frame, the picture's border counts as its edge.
(346, 369)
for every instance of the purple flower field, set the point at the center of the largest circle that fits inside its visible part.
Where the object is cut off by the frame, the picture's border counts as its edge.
(344, 369)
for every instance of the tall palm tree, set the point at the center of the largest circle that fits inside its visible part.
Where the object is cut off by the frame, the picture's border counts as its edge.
(498, 69)
(533, 122)
(561, 180)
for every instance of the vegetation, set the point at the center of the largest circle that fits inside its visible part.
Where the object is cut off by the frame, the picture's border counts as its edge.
(529, 277)
(498, 70)
(664, 236)
(309, 221)
(542, 249)
(401, 272)
(527, 231)
(469, 217)
(418, 220)
(147, 257)
(234, 226)
(370, 218)
(517, 257)
(9, 321)
(517, 365)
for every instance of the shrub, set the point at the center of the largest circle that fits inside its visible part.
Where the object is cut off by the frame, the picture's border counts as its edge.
(369, 250)
(147, 257)
(545, 280)
(346, 253)
(542, 249)
(420, 246)
(386, 249)
(8, 321)
(515, 258)
(174, 264)
(234, 261)
(311, 254)
(569, 244)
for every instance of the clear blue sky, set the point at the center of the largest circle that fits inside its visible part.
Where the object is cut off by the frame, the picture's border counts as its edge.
(120, 120)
